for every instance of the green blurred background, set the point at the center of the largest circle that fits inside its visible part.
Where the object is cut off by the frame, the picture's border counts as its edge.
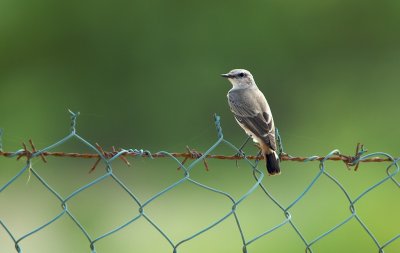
(145, 74)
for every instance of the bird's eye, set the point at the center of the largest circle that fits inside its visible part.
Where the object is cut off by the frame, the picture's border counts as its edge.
(242, 74)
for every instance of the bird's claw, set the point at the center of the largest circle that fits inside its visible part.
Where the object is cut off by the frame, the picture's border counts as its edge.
(257, 145)
(282, 154)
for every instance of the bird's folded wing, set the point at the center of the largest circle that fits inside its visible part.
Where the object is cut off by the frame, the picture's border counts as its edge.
(259, 126)
(257, 121)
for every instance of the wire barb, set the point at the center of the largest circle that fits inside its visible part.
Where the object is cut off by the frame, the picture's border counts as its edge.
(105, 154)
(359, 152)
(26, 153)
(34, 151)
(350, 161)
(193, 154)
(122, 157)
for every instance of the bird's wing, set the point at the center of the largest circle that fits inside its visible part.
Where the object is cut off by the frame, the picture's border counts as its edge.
(259, 123)
(260, 128)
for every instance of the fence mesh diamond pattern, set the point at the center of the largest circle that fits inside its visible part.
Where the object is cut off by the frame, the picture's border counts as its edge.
(108, 159)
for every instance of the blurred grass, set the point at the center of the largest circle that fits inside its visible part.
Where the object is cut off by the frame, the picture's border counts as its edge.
(145, 74)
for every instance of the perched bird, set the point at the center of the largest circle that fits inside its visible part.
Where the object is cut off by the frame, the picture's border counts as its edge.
(252, 112)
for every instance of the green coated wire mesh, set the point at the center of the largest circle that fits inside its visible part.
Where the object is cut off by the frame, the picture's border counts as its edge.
(198, 158)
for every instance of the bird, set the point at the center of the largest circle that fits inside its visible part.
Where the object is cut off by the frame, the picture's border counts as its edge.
(252, 112)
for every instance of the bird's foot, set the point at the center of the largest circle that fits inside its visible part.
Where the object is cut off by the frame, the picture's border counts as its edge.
(259, 157)
(282, 154)
(240, 154)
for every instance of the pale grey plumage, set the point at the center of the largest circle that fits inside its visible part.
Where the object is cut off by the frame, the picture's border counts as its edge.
(253, 114)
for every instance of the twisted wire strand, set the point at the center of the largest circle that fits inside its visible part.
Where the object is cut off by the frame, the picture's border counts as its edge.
(141, 153)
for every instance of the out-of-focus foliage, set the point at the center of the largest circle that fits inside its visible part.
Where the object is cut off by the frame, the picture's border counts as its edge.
(145, 74)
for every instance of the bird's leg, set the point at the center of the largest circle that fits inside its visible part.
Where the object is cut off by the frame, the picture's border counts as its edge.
(244, 144)
(240, 152)
(258, 157)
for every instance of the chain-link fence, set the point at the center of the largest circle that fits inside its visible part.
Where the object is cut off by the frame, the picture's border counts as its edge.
(108, 158)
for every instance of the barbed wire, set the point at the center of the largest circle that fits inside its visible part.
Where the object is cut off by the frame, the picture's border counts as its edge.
(190, 154)
(109, 156)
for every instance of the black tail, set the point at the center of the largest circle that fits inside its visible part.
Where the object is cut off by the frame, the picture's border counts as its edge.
(272, 164)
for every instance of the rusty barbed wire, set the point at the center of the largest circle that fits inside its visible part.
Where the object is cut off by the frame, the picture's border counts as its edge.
(190, 154)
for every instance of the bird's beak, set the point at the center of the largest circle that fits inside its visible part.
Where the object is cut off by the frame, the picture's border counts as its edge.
(226, 75)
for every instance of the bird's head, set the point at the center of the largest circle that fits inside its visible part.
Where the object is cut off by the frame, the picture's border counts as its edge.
(240, 78)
